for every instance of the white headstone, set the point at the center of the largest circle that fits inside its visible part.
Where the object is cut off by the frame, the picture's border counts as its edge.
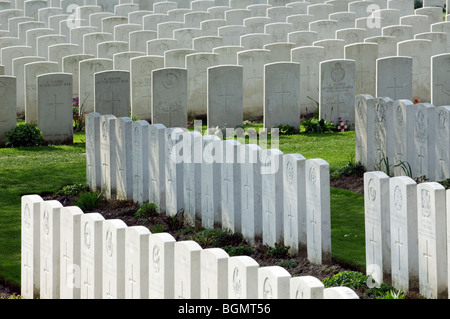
(192, 161)
(253, 62)
(187, 270)
(231, 187)
(272, 196)
(107, 155)
(242, 277)
(70, 64)
(225, 85)
(440, 80)
(7, 105)
(93, 159)
(365, 56)
(251, 207)
(49, 249)
(214, 273)
(377, 226)
(169, 105)
(273, 283)
(140, 166)
(318, 223)
(141, 84)
(112, 93)
(424, 141)
(403, 225)
(282, 94)
(174, 170)
(432, 238)
(137, 258)
(337, 91)
(211, 209)
(309, 58)
(404, 117)
(156, 166)
(124, 173)
(420, 52)
(306, 287)
(31, 71)
(113, 251)
(87, 69)
(197, 65)
(55, 111)
(394, 77)
(91, 234)
(442, 140)
(30, 245)
(70, 252)
(294, 203)
(161, 266)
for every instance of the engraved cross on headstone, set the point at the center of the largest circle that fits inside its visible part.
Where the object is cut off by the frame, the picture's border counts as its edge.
(399, 246)
(113, 103)
(313, 223)
(394, 88)
(427, 255)
(56, 106)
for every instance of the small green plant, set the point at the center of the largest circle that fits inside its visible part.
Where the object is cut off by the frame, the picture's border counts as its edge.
(24, 135)
(350, 169)
(321, 126)
(278, 251)
(158, 228)
(384, 166)
(240, 250)
(228, 238)
(73, 190)
(289, 263)
(175, 222)
(445, 183)
(206, 237)
(351, 279)
(147, 211)
(384, 291)
(89, 201)
(405, 167)
(288, 130)
(392, 294)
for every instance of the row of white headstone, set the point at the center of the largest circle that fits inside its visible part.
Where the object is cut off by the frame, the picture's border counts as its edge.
(68, 254)
(395, 28)
(260, 193)
(403, 138)
(406, 226)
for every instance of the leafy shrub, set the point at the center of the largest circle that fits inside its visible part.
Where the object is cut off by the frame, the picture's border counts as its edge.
(228, 238)
(313, 126)
(89, 201)
(350, 169)
(73, 190)
(207, 237)
(351, 279)
(288, 130)
(445, 183)
(158, 228)
(147, 211)
(384, 291)
(240, 250)
(288, 263)
(24, 135)
(278, 251)
(175, 222)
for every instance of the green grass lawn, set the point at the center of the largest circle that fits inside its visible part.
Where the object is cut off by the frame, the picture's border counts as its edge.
(46, 169)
